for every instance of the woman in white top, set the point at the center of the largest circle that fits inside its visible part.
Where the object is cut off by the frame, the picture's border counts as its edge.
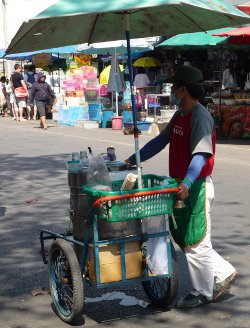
(10, 98)
(3, 96)
(141, 79)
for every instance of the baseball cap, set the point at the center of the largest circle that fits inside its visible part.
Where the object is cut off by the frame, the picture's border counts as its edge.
(188, 74)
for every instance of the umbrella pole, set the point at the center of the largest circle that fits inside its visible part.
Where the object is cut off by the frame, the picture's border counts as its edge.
(220, 92)
(58, 57)
(116, 87)
(136, 134)
(4, 67)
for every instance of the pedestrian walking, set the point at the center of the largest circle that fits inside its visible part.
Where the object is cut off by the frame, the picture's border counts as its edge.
(43, 96)
(20, 91)
(191, 135)
(30, 78)
(3, 96)
(10, 98)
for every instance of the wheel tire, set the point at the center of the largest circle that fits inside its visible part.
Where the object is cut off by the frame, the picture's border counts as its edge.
(168, 286)
(65, 281)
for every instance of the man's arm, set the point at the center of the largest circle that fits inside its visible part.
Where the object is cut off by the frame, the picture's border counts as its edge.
(152, 148)
(201, 148)
(155, 145)
(194, 170)
(52, 94)
(24, 85)
(32, 93)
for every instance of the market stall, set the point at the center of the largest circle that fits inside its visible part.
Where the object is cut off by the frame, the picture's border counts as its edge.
(230, 108)
(231, 114)
(80, 104)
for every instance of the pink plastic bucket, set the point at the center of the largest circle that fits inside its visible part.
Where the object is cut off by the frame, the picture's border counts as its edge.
(117, 122)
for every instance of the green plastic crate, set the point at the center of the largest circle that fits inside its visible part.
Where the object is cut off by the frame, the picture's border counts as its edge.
(136, 207)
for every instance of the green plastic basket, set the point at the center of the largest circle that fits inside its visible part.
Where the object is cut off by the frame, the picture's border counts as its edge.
(138, 206)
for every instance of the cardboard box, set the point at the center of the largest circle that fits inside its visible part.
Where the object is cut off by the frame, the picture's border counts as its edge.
(110, 262)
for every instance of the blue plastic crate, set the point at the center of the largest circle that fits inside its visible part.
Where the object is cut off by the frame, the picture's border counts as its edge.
(127, 116)
(68, 115)
(83, 113)
(106, 117)
(143, 126)
(95, 111)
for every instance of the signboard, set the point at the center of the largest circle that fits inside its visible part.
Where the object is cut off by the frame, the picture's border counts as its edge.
(42, 60)
(234, 120)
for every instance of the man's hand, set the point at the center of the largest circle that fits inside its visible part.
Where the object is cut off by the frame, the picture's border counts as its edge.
(127, 161)
(183, 192)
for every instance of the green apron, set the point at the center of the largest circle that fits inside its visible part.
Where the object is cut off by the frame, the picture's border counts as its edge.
(188, 225)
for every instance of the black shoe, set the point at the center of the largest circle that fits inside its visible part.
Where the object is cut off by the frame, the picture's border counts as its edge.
(191, 301)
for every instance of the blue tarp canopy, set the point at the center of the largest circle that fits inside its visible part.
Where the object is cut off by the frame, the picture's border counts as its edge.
(2, 52)
(28, 55)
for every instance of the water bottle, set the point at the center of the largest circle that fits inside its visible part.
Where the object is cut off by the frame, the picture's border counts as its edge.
(75, 156)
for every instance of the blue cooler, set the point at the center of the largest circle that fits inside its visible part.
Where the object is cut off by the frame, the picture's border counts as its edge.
(106, 117)
(127, 116)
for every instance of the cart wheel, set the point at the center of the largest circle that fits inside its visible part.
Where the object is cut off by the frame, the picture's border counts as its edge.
(65, 281)
(162, 292)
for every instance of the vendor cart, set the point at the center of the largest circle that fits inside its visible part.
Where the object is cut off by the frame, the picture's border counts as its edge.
(113, 261)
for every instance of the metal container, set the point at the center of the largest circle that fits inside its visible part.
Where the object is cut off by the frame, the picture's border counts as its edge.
(79, 208)
(110, 230)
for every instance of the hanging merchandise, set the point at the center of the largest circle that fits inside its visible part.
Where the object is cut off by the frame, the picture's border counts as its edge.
(80, 103)
(247, 84)
(83, 59)
(72, 64)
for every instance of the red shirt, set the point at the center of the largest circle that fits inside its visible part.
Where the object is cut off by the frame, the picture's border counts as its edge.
(179, 151)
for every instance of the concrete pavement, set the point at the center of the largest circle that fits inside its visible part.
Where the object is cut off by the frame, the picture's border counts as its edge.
(33, 168)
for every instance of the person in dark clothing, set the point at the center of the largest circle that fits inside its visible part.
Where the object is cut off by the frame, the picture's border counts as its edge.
(17, 81)
(42, 93)
(30, 78)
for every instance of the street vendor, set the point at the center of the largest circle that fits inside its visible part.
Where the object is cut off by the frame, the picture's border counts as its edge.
(191, 135)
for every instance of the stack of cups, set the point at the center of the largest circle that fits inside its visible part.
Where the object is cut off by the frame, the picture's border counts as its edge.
(129, 182)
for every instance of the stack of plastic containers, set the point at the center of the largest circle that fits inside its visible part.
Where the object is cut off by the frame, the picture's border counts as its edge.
(82, 97)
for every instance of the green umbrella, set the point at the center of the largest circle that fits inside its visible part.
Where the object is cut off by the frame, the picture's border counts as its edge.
(79, 21)
(196, 40)
(115, 47)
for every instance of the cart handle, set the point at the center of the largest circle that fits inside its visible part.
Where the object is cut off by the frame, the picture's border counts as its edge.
(137, 194)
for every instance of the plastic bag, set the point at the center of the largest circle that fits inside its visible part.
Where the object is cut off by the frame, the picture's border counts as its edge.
(156, 248)
(98, 172)
(247, 83)
(20, 92)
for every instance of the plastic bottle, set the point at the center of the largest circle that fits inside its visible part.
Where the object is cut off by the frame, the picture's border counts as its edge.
(84, 160)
